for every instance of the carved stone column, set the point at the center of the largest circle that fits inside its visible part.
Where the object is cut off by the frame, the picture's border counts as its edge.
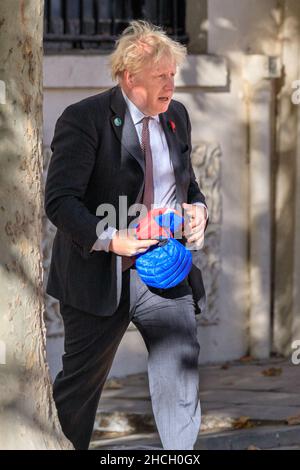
(206, 161)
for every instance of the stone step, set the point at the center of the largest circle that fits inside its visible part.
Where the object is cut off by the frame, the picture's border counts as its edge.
(265, 437)
(268, 437)
(124, 428)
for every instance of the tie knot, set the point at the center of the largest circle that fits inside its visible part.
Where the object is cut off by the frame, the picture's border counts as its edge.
(146, 119)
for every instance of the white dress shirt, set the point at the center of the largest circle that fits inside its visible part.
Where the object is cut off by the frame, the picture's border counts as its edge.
(163, 172)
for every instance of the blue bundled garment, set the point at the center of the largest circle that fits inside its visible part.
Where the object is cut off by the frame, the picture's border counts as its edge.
(166, 264)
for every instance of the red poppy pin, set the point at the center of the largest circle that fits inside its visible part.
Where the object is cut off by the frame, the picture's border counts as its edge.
(172, 125)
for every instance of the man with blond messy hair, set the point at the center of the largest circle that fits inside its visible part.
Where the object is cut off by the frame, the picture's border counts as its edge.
(134, 142)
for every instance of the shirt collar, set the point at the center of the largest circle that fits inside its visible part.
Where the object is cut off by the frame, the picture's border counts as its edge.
(136, 114)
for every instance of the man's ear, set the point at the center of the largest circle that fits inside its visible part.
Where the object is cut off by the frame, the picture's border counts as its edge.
(128, 78)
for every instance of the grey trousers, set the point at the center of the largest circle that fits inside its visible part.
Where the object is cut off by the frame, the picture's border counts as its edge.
(167, 322)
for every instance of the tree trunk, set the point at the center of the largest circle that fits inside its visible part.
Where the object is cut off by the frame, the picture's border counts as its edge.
(28, 416)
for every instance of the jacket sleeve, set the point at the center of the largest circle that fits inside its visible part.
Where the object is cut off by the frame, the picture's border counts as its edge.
(74, 148)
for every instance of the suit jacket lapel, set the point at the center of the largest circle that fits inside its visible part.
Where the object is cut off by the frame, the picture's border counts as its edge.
(125, 131)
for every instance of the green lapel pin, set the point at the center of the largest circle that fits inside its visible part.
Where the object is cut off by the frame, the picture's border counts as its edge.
(118, 121)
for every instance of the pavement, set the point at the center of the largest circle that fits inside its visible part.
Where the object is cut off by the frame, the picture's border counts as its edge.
(246, 404)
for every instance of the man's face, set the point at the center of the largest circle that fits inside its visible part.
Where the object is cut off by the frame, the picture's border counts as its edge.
(152, 88)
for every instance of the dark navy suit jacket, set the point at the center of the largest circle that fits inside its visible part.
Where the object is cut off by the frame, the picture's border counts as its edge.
(94, 161)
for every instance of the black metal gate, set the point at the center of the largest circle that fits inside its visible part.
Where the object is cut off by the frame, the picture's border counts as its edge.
(95, 24)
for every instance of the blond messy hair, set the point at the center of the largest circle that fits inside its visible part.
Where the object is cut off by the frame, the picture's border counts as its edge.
(140, 43)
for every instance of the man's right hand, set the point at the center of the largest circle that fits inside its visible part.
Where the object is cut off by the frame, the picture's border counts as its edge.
(125, 243)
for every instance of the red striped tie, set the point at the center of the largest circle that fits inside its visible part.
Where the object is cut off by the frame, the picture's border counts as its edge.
(148, 194)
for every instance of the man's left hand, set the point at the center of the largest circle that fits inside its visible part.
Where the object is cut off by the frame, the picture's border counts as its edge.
(195, 217)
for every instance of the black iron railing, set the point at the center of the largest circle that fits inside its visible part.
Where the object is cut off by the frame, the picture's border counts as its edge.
(96, 24)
